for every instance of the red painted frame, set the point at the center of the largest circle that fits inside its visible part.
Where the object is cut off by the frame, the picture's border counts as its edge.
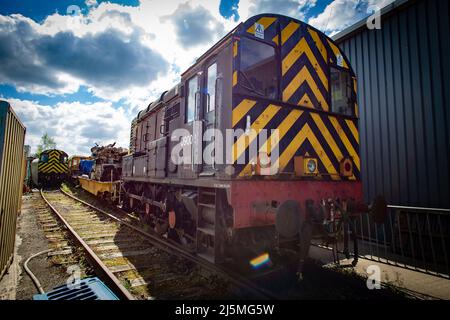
(244, 194)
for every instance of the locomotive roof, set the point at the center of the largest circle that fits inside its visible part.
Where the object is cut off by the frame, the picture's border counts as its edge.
(242, 29)
(165, 97)
(49, 150)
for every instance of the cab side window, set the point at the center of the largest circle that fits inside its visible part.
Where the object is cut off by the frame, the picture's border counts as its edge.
(342, 100)
(211, 87)
(44, 157)
(192, 89)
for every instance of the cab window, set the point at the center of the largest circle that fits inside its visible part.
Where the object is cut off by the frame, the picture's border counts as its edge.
(44, 157)
(258, 68)
(211, 88)
(342, 100)
(192, 88)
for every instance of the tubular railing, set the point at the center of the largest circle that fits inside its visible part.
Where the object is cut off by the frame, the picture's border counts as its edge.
(409, 237)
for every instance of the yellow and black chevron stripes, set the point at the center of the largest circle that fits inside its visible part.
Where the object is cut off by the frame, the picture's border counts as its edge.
(53, 164)
(241, 110)
(355, 88)
(265, 21)
(304, 67)
(269, 28)
(260, 123)
(287, 32)
(304, 76)
(306, 57)
(235, 54)
(300, 132)
(345, 140)
(301, 48)
(54, 153)
(306, 134)
(319, 44)
(283, 128)
(305, 101)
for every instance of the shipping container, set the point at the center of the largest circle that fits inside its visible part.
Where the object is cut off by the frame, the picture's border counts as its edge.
(12, 136)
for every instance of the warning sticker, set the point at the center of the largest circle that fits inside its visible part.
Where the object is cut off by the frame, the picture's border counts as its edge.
(259, 30)
(340, 60)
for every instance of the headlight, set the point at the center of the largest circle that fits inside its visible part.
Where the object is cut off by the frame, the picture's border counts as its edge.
(311, 165)
(306, 166)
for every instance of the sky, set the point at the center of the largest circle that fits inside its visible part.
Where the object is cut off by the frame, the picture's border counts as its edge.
(81, 70)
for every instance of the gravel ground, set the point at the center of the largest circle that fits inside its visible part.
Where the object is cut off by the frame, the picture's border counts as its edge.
(30, 239)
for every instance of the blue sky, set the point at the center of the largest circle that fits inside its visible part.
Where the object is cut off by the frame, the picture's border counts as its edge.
(90, 66)
(39, 10)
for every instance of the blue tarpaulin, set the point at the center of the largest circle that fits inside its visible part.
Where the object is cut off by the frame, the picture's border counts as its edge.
(86, 166)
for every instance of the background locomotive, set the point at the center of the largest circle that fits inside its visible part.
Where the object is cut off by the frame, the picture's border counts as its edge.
(270, 72)
(50, 169)
(74, 165)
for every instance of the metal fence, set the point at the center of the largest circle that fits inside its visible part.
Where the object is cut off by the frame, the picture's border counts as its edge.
(410, 237)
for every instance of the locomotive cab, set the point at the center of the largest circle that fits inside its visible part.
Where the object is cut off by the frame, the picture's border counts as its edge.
(261, 131)
(52, 168)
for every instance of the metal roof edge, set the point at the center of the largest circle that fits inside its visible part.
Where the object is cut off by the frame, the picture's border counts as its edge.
(358, 26)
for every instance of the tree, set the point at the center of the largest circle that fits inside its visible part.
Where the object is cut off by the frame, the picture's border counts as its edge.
(47, 142)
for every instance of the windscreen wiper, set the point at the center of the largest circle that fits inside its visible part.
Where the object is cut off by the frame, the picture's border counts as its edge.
(252, 88)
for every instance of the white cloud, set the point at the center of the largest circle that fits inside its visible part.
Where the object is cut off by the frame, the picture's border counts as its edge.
(108, 61)
(74, 126)
(129, 45)
(91, 3)
(194, 26)
(341, 14)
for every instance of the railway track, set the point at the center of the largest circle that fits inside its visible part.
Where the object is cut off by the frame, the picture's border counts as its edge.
(140, 265)
(63, 253)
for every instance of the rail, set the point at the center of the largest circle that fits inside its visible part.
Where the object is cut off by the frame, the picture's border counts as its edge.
(159, 243)
(110, 278)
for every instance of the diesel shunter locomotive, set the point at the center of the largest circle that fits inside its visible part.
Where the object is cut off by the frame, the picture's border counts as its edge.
(50, 169)
(256, 148)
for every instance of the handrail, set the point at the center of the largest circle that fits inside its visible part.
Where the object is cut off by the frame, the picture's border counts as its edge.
(436, 210)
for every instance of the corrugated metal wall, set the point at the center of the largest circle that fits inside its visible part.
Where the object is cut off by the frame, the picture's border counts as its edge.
(12, 136)
(404, 97)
